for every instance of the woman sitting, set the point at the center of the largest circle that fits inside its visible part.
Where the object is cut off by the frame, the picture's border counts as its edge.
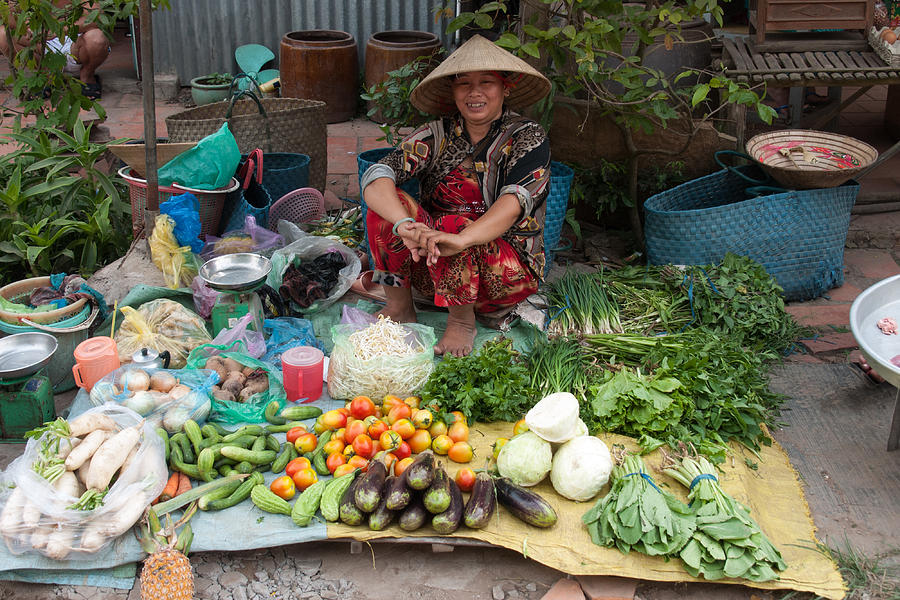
(474, 241)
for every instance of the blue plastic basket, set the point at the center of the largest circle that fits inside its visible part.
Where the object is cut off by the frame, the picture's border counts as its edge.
(797, 235)
(557, 202)
(284, 172)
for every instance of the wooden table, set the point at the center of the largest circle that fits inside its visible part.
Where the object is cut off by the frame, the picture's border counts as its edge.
(798, 70)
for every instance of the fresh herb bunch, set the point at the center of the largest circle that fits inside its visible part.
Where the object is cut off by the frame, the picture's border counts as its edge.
(491, 384)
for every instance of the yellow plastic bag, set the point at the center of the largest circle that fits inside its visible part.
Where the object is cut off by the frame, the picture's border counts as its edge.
(177, 263)
(161, 324)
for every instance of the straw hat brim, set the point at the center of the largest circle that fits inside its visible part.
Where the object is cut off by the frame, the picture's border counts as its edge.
(434, 94)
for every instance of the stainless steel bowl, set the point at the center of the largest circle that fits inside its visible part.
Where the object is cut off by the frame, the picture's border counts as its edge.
(25, 353)
(235, 272)
(874, 303)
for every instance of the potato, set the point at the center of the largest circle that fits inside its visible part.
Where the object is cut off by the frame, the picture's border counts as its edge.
(233, 387)
(224, 395)
(178, 391)
(232, 365)
(238, 376)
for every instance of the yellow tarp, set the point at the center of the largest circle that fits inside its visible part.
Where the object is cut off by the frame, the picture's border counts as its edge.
(772, 492)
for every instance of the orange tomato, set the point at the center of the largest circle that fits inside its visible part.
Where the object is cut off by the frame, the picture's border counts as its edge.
(460, 452)
(389, 460)
(422, 418)
(465, 479)
(334, 461)
(520, 427)
(412, 402)
(348, 452)
(400, 411)
(438, 427)
(377, 428)
(441, 444)
(343, 410)
(283, 487)
(402, 465)
(362, 407)
(420, 441)
(389, 440)
(333, 446)
(497, 445)
(364, 446)
(319, 427)
(389, 402)
(405, 428)
(343, 470)
(305, 478)
(370, 420)
(459, 432)
(359, 462)
(403, 451)
(334, 419)
(339, 434)
(353, 430)
(294, 432)
(306, 443)
(295, 465)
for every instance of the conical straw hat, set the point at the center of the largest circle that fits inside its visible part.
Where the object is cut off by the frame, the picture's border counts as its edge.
(434, 95)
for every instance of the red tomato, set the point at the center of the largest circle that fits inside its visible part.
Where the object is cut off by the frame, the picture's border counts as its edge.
(358, 462)
(370, 420)
(333, 446)
(458, 432)
(354, 429)
(362, 407)
(389, 402)
(343, 410)
(305, 478)
(389, 440)
(420, 441)
(455, 417)
(422, 418)
(334, 461)
(364, 446)
(441, 444)
(377, 428)
(306, 443)
(465, 479)
(283, 487)
(294, 432)
(400, 411)
(334, 419)
(404, 427)
(343, 470)
(402, 465)
(403, 451)
(295, 465)
(460, 452)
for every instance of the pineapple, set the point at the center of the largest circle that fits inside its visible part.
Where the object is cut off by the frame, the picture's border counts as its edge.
(167, 573)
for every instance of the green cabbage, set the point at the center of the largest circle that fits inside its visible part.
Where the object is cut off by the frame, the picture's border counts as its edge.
(581, 468)
(525, 459)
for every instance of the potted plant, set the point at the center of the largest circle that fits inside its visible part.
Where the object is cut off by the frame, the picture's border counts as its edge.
(214, 87)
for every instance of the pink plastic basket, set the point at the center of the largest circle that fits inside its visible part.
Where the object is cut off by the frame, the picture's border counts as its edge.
(299, 206)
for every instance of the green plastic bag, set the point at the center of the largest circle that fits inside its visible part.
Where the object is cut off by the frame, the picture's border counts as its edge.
(207, 166)
(253, 409)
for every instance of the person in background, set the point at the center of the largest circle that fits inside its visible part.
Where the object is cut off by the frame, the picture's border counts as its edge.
(83, 55)
(474, 238)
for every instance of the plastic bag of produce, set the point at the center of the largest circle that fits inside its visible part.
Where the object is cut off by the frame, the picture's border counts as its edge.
(161, 324)
(64, 520)
(177, 263)
(165, 397)
(286, 333)
(246, 385)
(380, 358)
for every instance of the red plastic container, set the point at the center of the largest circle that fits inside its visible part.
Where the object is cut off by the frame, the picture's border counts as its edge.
(302, 368)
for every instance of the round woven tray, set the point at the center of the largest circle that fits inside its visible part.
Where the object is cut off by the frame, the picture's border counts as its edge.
(805, 159)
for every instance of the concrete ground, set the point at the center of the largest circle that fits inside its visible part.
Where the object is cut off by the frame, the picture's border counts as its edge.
(329, 569)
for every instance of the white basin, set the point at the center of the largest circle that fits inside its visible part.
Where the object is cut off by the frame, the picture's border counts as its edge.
(877, 302)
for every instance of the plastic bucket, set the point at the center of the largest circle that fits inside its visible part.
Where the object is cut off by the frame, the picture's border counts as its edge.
(302, 367)
(94, 358)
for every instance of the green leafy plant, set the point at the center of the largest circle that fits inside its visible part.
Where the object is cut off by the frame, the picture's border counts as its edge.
(216, 79)
(604, 185)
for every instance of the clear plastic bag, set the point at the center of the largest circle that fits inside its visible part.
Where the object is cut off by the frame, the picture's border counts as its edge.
(350, 376)
(160, 324)
(243, 409)
(177, 263)
(165, 397)
(254, 342)
(36, 517)
(204, 297)
(251, 238)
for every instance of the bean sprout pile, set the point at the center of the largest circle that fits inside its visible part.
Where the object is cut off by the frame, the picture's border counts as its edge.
(383, 338)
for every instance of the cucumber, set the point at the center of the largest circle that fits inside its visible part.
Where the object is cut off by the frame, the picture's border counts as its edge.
(239, 495)
(259, 444)
(283, 428)
(349, 513)
(219, 429)
(272, 443)
(164, 436)
(482, 502)
(524, 504)
(381, 517)
(397, 494)
(448, 521)
(192, 431)
(282, 459)
(253, 430)
(205, 461)
(271, 413)
(414, 515)
(209, 431)
(420, 474)
(299, 413)
(218, 494)
(260, 457)
(437, 496)
(368, 490)
(334, 492)
(320, 463)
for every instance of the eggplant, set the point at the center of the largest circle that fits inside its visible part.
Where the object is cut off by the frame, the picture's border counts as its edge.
(420, 474)
(347, 509)
(482, 502)
(368, 491)
(414, 515)
(396, 492)
(437, 496)
(524, 504)
(448, 521)
(381, 517)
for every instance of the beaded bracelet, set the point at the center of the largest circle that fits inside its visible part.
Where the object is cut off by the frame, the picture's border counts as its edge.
(398, 223)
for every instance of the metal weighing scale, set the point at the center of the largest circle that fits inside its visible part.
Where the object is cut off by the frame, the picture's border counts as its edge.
(26, 394)
(237, 276)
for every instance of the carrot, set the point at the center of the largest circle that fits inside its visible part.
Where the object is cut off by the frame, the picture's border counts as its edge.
(171, 488)
(184, 484)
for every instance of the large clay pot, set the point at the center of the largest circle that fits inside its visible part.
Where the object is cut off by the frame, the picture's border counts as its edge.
(321, 64)
(389, 50)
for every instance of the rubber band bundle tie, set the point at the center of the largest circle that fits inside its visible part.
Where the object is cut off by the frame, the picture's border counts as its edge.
(558, 312)
(647, 478)
(701, 477)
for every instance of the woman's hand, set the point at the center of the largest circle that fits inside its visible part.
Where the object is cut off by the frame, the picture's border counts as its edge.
(409, 233)
(440, 243)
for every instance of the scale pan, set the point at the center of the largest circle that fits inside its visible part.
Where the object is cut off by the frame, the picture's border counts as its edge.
(22, 354)
(235, 272)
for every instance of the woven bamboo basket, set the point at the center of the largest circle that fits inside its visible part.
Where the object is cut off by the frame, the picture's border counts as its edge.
(805, 159)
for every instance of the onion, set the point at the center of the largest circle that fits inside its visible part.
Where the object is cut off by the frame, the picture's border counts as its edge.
(162, 381)
(135, 380)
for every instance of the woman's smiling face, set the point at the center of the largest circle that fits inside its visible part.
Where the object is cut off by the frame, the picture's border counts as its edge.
(479, 96)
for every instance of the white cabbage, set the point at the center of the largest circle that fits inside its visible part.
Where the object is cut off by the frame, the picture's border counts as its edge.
(525, 459)
(555, 418)
(581, 468)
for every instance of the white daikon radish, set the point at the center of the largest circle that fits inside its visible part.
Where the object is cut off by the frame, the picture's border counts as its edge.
(11, 517)
(68, 485)
(88, 422)
(92, 540)
(65, 447)
(110, 456)
(83, 451)
(128, 460)
(31, 515)
(40, 537)
(122, 520)
(59, 543)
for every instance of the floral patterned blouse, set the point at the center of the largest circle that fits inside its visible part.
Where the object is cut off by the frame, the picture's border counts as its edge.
(513, 158)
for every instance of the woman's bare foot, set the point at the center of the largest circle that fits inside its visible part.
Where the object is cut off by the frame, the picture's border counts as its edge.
(399, 306)
(459, 336)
